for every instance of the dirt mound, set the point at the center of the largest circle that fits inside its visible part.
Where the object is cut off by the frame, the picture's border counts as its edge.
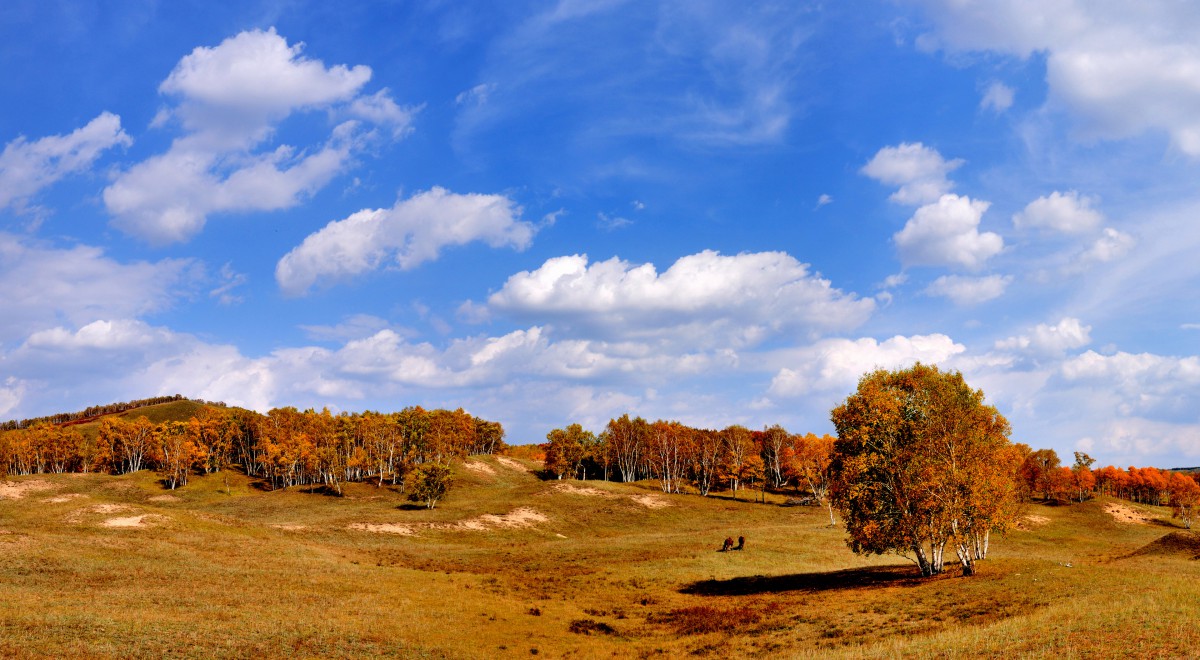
(1175, 544)
(15, 490)
(511, 464)
(1125, 514)
(481, 468)
(1031, 522)
(384, 528)
(648, 501)
(133, 521)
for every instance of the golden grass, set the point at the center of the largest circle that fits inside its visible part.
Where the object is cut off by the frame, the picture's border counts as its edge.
(231, 570)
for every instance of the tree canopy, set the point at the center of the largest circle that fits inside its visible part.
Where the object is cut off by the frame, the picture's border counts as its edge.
(920, 463)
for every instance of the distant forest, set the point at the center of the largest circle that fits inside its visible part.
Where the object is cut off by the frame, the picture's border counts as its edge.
(92, 412)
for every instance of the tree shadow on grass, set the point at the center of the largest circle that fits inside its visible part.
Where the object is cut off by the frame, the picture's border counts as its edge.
(851, 578)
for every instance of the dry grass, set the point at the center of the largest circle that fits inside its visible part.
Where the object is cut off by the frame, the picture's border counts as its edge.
(508, 564)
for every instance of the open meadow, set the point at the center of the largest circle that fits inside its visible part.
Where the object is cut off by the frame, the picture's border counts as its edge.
(510, 565)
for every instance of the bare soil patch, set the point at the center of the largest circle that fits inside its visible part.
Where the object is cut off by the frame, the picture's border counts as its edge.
(648, 501)
(518, 518)
(59, 499)
(383, 528)
(512, 464)
(166, 498)
(1125, 514)
(15, 490)
(1032, 521)
(651, 501)
(477, 466)
(133, 521)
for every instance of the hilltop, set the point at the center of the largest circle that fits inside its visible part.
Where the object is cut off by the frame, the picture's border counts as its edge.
(509, 564)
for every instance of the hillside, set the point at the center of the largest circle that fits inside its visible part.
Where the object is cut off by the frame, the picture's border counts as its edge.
(508, 565)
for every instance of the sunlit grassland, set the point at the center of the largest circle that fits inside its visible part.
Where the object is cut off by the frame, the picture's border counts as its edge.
(224, 568)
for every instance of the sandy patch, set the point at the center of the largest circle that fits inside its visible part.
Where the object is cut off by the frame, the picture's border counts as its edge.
(294, 528)
(511, 464)
(15, 490)
(107, 508)
(385, 528)
(651, 501)
(648, 501)
(516, 519)
(1125, 514)
(64, 498)
(1031, 521)
(133, 521)
(585, 491)
(476, 466)
(166, 498)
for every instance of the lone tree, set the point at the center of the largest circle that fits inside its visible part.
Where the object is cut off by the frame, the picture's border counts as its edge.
(920, 463)
(428, 483)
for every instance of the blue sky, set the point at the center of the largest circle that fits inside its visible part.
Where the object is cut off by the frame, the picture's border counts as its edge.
(550, 212)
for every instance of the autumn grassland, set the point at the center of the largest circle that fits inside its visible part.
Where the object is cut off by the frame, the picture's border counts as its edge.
(509, 565)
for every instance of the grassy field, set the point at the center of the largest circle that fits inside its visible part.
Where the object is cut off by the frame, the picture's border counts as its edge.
(512, 566)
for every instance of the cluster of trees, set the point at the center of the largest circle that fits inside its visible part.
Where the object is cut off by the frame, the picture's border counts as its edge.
(285, 447)
(98, 411)
(1043, 475)
(676, 454)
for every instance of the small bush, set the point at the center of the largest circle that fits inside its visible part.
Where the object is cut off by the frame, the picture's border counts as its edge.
(705, 619)
(589, 626)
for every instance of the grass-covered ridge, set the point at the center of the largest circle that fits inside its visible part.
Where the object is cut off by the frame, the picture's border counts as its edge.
(116, 566)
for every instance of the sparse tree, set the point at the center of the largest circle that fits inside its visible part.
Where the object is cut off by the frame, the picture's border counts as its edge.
(919, 463)
(427, 483)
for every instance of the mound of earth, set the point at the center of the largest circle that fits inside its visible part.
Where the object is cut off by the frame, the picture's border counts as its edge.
(15, 490)
(1126, 514)
(1175, 544)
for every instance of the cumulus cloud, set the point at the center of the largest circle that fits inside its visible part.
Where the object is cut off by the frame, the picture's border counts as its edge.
(80, 285)
(410, 233)
(835, 365)
(969, 290)
(1140, 384)
(946, 233)
(919, 171)
(705, 297)
(27, 167)
(1119, 68)
(230, 99)
(1067, 334)
(1067, 213)
(1112, 244)
(998, 97)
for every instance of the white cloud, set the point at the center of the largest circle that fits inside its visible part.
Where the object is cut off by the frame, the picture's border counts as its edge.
(1113, 244)
(946, 233)
(231, 99)
(835, 365)
(1067, 334)
(1142, 384)
(232, 93)
(410, 233)
(997, 98)
(707, 297)
(969, 290)
(1119, 68)
(1068, 213)
(28, 167)
(42, 285)
(230, 280)
(919, 171)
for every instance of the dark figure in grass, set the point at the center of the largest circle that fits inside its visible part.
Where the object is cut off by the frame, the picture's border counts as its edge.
(728, 544)
(741, 543)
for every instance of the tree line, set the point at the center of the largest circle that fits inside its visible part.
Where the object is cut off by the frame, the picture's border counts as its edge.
(674, 454)
(285, 447)
(98, 411)
(920, 465)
